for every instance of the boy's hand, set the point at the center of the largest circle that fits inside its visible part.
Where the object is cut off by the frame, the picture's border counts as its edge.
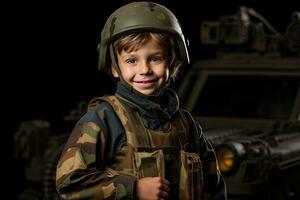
(152, 188)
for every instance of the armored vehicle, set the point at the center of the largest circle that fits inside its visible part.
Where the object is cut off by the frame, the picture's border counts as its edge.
(37, 148)
(247, 99)
(250, 111)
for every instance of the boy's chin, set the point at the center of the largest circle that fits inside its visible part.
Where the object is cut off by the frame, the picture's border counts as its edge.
(147, 92)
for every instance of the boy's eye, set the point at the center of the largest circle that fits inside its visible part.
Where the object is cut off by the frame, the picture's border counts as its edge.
(130, 61)
(157, 58)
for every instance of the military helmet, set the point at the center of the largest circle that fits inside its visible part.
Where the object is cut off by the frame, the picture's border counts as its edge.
(140, 17)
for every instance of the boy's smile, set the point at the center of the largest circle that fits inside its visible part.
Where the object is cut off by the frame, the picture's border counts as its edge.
(145, 69)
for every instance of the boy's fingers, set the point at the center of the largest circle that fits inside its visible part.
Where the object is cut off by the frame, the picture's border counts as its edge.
(165, 188)
(163, 195)
(165, 181)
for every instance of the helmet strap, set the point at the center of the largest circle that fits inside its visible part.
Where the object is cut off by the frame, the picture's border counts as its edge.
(114, 61)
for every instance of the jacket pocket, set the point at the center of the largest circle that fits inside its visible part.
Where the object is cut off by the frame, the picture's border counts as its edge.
(191, 176)
(149, 164)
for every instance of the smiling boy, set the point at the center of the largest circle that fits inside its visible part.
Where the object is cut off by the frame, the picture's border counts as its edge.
(138, 143)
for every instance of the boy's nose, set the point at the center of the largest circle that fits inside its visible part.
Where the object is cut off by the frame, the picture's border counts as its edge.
(145, 68)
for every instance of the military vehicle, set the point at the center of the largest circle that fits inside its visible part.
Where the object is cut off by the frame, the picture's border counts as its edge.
(247, 99)
(38, 147)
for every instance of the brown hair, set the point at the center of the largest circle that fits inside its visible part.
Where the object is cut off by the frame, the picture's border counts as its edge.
(135, 41)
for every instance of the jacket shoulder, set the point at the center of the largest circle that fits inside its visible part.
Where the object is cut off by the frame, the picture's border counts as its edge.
(94, 102)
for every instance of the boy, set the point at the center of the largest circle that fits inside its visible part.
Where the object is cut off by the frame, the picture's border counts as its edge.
(138, 144)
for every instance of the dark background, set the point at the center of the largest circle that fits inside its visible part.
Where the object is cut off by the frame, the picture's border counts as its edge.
(53, 57)
(51, 54)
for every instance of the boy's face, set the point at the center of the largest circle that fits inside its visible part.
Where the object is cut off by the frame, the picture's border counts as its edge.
(145, 69)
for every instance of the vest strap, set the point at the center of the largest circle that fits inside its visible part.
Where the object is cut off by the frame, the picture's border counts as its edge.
(128, 118)
(132, 122)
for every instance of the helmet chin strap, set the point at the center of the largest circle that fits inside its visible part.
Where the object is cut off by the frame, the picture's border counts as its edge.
(114, 62)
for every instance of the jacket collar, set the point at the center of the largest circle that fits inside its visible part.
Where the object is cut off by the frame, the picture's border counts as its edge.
(156, 111)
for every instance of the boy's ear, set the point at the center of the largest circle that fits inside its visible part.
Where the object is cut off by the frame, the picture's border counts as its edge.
(114, 72)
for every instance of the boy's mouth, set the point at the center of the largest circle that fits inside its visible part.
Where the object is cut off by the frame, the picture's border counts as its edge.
(146, 83)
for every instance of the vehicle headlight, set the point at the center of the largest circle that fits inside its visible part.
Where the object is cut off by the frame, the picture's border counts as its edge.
(229, 156)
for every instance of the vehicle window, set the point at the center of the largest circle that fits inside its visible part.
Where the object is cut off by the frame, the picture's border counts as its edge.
(267, 97)
(190, 84)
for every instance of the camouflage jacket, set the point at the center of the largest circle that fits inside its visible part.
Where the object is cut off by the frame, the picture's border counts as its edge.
(96, 137)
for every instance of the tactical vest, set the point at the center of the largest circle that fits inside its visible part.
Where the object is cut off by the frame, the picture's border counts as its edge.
(149, 153)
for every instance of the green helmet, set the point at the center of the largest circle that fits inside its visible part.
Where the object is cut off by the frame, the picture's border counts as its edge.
(140, 17)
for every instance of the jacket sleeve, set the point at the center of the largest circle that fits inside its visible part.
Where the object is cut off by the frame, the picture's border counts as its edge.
(83, 171)
(214, 184)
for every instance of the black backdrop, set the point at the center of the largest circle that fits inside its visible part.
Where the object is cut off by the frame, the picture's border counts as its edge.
(51, 53)
(53, 57)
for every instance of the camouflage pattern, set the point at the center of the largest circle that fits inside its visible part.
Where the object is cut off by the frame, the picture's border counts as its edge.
(156, 153)
(149, 153)
(101, 160)
(140, 17)
(79, 155)
(191, 176)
